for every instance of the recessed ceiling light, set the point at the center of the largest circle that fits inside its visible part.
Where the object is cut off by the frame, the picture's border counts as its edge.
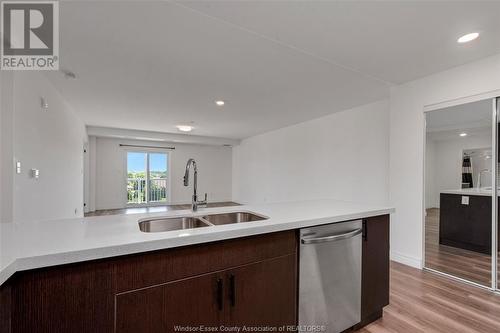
(220, 103)
(463, 134)
(184, 128)
(468, 37)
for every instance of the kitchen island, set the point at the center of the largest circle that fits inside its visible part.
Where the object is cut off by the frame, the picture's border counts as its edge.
(102, 274)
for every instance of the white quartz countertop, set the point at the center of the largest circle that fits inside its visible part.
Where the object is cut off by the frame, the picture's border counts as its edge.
(484, 191)
(32, 245)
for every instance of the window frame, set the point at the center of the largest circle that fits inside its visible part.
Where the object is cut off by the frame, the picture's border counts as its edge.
(147, 151)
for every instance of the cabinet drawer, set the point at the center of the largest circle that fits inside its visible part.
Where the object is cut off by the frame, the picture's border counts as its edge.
(162, 266)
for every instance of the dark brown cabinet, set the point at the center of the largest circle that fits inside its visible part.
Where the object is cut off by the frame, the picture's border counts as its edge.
(263, 294)
(250, 281)
(258, 294)
(70, 298)
(375, 268)
(466, 226)
(189, 302)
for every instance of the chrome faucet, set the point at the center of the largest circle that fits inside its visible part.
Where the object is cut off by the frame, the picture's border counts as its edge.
(194, 202)
(479, 177)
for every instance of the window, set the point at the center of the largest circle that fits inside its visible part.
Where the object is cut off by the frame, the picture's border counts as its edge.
(147, 177)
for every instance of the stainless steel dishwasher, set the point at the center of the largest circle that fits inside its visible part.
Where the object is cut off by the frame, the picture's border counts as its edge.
(330, 276)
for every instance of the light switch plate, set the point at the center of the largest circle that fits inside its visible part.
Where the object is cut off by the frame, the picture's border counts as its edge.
(35, 173)
(465, 200)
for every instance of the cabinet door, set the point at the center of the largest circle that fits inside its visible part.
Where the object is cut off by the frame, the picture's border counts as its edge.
(69, 298)
(465, 226)
(375, 267)
(264, 293)
(191, 302)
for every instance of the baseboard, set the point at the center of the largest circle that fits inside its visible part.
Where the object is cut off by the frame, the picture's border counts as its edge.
(406, 260)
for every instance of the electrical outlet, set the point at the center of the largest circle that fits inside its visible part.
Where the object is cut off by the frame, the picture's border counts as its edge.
(465, 200)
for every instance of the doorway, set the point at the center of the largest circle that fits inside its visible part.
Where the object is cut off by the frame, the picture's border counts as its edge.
(461, 203)
(147, 178)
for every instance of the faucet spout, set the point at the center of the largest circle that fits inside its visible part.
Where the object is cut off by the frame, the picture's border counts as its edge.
(194, 202)
(186, 173)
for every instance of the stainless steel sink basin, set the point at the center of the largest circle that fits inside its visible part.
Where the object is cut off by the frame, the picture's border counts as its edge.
(234, 217)
(161, 224)
(172, 223)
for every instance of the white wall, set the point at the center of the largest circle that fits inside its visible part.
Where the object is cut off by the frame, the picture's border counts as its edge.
(406, 145)
(1, 147)
(444, 165)
(214, 172)
(342, 156)
(51, 141)
(6, 145)
(431, 194)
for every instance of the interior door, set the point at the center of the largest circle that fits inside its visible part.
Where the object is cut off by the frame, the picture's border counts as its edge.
(172, 307)
(263, 294)
(460, 192)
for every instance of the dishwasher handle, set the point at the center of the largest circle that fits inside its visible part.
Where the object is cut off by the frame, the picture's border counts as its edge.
(331, 238)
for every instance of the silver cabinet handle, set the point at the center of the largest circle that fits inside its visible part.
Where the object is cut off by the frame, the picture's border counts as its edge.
(331, 238)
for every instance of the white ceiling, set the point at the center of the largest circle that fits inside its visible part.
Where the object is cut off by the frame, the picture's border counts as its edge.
(470, 115)
(445, 135)
(474, 118)
(152, 65)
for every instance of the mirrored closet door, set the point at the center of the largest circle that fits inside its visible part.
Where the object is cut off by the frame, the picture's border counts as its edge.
(460, 203)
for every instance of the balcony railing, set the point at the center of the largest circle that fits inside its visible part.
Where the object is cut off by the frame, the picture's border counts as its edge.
(136, 190)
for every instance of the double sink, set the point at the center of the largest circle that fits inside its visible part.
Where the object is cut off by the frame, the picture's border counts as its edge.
(189, 222)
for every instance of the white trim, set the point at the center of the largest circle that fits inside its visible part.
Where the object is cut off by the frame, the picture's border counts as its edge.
(406, 260)
(148, 178)
(494, 197)
(170, 154)
(92, 173)
(86, 180)
(456, 278)
(462, 100)
(424, 191)
(120, 133)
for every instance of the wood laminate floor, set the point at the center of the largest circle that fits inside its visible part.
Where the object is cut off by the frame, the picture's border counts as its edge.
(469, 265)
(154, 209)
(422, 301)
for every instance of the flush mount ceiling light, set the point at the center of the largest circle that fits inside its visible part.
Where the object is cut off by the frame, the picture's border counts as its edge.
(184, 128)
(220, 102)
(467, 38)
(463, 134)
